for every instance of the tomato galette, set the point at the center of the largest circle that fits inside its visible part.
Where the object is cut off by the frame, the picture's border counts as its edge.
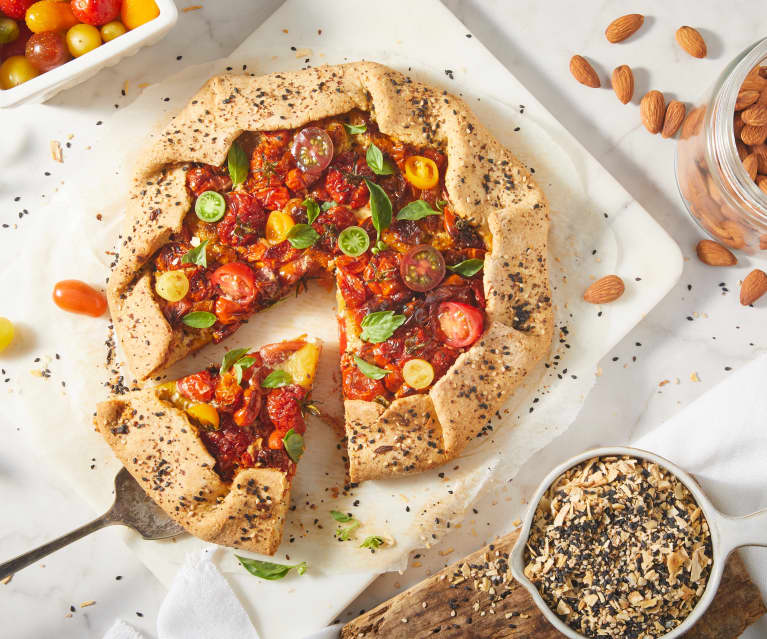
(217, 450)
(435, 234)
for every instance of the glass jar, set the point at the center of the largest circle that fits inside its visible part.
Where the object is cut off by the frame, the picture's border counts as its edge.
(716, 186)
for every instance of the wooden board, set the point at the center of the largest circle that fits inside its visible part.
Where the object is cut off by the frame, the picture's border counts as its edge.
(455, 608)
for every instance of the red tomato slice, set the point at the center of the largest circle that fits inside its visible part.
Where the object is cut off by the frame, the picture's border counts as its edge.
(236, 281)
(422, 268)
(461, 324)
(198, 387)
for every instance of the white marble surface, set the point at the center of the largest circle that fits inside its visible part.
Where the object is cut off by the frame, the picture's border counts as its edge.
(533, 39)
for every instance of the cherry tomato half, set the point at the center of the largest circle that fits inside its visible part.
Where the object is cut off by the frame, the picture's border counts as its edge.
(75, 296)
(313, 150)
(461, 324)
(422, 268)
(236, 281)
(421, 172)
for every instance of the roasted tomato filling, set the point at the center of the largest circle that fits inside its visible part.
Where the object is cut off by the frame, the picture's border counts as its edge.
(272, 216)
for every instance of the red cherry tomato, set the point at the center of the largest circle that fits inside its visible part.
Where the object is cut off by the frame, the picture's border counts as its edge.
(96, 12)
(198, 387)
(461, 324)
(422, 268)
(15, 8)
(75, 296)
(47, 50)
(236, 281)
(313, 150)
(246, 414)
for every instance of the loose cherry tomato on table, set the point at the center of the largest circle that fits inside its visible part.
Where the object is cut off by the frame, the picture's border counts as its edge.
(96, 12)
(112, 30)
(134, 13)
(421, 172)
(313, 150)
(7, 331)
(47, 50)
(460, 323)
(422, 268)
(236, 281)
(15, 8)
(75, 296)
(83, 38)
(47, 15)
(15, 71)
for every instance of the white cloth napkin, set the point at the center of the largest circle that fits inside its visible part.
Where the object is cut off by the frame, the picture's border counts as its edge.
(721, 438)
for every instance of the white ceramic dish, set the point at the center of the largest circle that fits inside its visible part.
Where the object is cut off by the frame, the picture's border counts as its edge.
(727, 534)
(46, 85)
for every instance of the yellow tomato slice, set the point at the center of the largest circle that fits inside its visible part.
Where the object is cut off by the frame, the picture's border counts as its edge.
(206, 414)
(277, 226)
(421, 172)
(418, 373)
(171, 285)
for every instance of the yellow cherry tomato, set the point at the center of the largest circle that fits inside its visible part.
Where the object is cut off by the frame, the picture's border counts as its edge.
(134, 13)
(47, 15)
(15, 71)
(421, 172)
(112, 30)
(277, 226)
(6, 333)
(171, 285)
(82, 38)
(206, 414)
(418, 373)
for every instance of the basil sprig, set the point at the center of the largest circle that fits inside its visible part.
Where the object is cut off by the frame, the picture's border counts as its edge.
(230, 357)
(269, 570)
(241, 365)
(198, 255)
(355, 129)
(373, 542)
(341, 517)
(377, 162)
(370, 370)
(294, 445)
(416, 210)
(276, 379)
(467, 268)
(380, 207)
(379, 326)
(237, 162)
(199, 319)
(312, 209)
(302, 236)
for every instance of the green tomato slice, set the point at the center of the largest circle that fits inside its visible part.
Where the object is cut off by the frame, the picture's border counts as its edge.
(210, 206)
(353, 241)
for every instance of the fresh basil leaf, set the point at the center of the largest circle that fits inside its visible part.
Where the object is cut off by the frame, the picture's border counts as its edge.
(294, 445)
(441, 203)
(416, 210)
(277, 378)
(355, 129)
(370, 370)
(372, 542)
(377, 162)
(341, 517)
(344, 533)
(199, 319)
(241, 365)
(467, 268)
(312, 209)
(379, 326)
(237, 163)
(269, 570)
(326, 206)
(380, 207)
(302, 236)
(231, 357)
(198, 255)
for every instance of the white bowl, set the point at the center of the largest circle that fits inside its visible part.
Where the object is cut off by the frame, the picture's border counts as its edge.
(727, 534)
(48, 84)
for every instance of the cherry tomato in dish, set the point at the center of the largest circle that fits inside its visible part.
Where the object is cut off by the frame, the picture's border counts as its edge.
(460, 323)
(15, 71)
(7, 331)
(9, 30)
(422, 268)
(229, 313)
(344, 180)
(96, 12)
(112, 30)
(15, 8)
(82, 38)
(198, 387)
(47, 50)
(75, 296)
(134, 13)
(47, 15)
(418, 373)
(421, 172)
(278, 224)
(313, 150)
(236, 281)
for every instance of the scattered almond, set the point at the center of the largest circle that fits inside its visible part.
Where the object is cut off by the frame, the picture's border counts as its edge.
(584, 72)
(623, 27)
(714, 254)
(751, 164)
(755, 115)
(56, 152)
(746, 99)
(652, 110)
(605, 290)
(623, 83)
(691, 41)
(753, 287)
(675, 112)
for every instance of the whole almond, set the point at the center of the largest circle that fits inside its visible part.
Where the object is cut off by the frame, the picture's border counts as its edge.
(753, 287)
(755, 115)
(621, 28)
(605, 290)
(691, 41)
(675, 112)
(584, 72)
(693, 122)
(761, 182)
(754, 81)
(751, 164)
(623, 83)
(760, 150)
(652, 110)
(753, 134)
(746, 99)
(714, 254)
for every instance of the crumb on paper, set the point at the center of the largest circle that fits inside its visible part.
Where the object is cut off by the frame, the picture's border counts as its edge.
(56, 153)
(303, 53)
(85, 604)
(6, 580)
(694, 377)
(143, 85)
(191, 7)
(664, 382)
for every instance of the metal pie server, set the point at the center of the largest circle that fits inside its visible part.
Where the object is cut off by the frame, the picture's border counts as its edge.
(132, 507)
